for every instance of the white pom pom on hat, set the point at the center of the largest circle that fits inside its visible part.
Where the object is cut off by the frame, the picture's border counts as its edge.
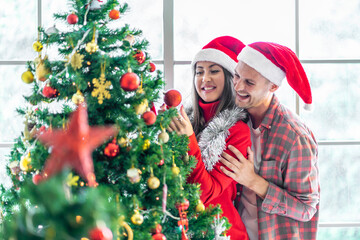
(275, 62)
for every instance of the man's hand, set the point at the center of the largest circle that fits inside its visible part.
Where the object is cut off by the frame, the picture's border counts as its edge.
(242, 171)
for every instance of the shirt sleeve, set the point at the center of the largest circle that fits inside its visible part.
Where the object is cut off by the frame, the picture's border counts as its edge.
(214, 183)
(299, 197)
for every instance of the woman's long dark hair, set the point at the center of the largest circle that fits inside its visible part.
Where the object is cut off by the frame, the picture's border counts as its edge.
(227, 101)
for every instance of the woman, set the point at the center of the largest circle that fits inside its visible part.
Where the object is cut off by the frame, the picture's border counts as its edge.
(215, 122)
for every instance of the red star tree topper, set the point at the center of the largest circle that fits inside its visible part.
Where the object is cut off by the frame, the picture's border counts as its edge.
(72, 147)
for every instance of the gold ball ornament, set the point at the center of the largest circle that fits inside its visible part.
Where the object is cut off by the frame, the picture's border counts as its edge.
(25, 163)
(137, 218)
(134, 175)
(200, 207)
(77, 98)
(163, 136)
(91, 47)
(175, 170)
(153, 182)
(27, 77)
(37, 46)
(141, 108)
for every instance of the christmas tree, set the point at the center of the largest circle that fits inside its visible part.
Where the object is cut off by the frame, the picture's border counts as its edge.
(102, 166)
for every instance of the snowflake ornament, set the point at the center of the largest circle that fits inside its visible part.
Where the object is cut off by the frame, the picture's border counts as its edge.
(101, 87)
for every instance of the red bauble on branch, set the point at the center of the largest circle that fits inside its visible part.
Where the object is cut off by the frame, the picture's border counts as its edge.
(129, 81)
(37, 178)
(50, 92)
(72, 18)
(152, 67)
(157, 233)
(172, 98)
(111, 149)
(100, 233)
(114, 14)
(139, 56)
(149, 117)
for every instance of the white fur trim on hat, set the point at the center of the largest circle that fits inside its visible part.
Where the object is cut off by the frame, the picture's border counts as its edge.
(260, 63)
(216, 56)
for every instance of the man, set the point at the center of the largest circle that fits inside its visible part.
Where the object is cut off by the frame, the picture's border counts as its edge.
(280, 179)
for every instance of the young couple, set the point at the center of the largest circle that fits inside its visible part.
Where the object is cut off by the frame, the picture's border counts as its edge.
(255, 157)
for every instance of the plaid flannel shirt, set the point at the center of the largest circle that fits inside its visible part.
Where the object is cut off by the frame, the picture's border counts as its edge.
(289, 163)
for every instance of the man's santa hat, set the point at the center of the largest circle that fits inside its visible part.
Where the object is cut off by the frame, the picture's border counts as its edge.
(221, 50)
(275, 62)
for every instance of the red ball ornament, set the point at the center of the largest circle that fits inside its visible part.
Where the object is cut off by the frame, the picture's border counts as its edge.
(149, 117)
(111, 149)
(182, 205)
(36, 178)
(157, 229)
(129, 81)
(158, 236)
(172, 98)
(152, 67)
(72, 18)
(50, 92)
(114, 14)
(100, 233)
(139, 56)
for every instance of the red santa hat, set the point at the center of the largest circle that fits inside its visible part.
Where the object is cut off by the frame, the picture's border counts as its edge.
(221, 50)
(275, 62)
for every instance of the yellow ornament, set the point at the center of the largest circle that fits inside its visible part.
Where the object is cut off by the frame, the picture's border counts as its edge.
(141, 108)
(200, 207)
(79, 219)
(77, 98)
(130, 233)
(163, 136)
(91, 47)
(123, 142)
(175, 170)
(137, 218)
(153, 182)
(134, 175)
(37, 46)
(42, 71)
(27, 77)
(101, 87)
(146, 145)
(25, 163)
(72, 180)
(76, 61)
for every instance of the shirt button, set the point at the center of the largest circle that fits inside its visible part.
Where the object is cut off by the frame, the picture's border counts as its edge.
(238, 193)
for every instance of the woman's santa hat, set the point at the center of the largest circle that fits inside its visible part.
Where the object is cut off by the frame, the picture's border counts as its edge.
(275, 62)
(221, 50)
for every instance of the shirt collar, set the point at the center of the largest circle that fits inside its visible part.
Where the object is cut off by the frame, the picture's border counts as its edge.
(270, 113)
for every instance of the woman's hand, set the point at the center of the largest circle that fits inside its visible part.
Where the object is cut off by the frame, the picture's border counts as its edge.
(181, 124)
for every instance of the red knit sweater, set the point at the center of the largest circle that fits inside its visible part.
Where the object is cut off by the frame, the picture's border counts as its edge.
(216, 187)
